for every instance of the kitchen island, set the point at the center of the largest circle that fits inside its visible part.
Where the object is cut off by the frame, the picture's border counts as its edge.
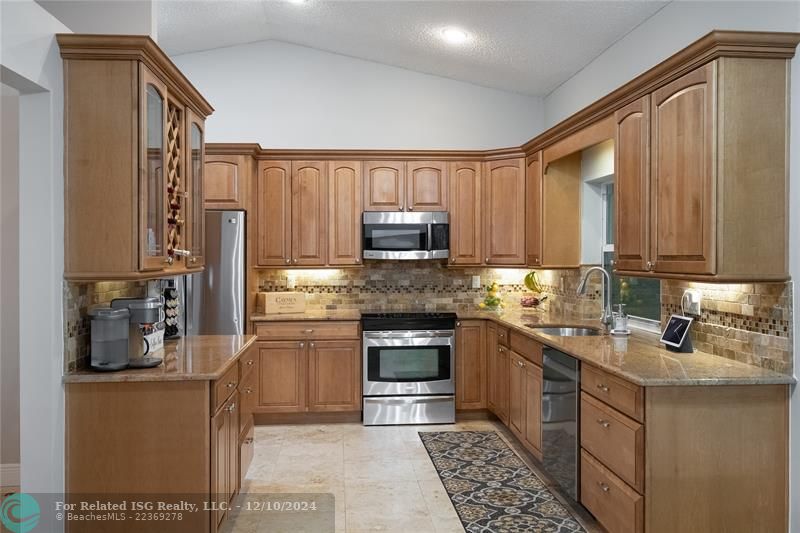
(177, 433)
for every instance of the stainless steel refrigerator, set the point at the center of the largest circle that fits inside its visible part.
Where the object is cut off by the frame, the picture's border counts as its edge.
(215, 298)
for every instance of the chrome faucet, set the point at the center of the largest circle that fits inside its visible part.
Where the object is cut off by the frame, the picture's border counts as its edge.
(607, 316)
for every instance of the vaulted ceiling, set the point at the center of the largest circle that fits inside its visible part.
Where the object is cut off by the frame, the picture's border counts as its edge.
(530, 47)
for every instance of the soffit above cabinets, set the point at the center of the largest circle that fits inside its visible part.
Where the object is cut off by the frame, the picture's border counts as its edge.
(525, 47)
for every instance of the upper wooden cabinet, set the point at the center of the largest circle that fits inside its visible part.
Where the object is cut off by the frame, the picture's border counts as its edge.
(504, 212)
(344, 213)
(561, 212)
(533, 209)
(466, 228)
(134, 134)
(227, 181)
(384, 185)
(273, 206)
(710, 173)
(309, 213)
(405, 186)
(426, 186)
(632, 185)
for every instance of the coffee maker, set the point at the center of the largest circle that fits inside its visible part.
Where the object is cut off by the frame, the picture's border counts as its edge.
(145, 313)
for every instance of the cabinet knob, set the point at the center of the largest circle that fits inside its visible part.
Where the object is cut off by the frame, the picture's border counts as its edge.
(452, 259)
(302, 344)
(400, 208)
(193, 260)
(358, 260)
(231, 384)
(250, 362)
(312, 344)
(411, 208)
(500, 349)
(486, 260)
(604, 423)
(169, 260)
(602, 486)
(288, 261)
(650, 265)
(231, 407)
(602, 387)
(248, 390)
(294, 261)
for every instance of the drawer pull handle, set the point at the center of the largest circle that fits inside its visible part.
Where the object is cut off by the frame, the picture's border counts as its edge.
(602, 387)
(603, 486)
(308, 331)
(231, 384)
(604, 423)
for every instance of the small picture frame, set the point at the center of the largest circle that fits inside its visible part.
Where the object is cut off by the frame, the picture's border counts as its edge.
(676, 335)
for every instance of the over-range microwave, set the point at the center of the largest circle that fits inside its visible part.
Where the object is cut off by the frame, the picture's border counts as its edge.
(406, 235)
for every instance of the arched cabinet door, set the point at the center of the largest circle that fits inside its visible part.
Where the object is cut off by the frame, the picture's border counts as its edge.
(504, 212)
(195, 157)
(466, 230)
(152, 185)
(426, 186)
(384, 185)
(683, 174)
(273, 204)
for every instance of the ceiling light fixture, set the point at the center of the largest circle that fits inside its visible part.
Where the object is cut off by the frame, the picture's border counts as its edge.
(454, 35)
(298, 2)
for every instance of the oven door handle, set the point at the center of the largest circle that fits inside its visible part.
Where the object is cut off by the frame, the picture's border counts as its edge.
(429, 229)
(408, 334)
(404, 400)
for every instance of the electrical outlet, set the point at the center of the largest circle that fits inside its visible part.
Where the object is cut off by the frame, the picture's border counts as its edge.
(476, 282)
(291, 282)
(692, 299)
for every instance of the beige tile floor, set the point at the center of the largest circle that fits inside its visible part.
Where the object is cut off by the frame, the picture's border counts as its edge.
(381, 477)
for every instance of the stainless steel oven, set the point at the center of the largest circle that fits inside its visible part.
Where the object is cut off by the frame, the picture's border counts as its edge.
(404, 235)
(409, 368)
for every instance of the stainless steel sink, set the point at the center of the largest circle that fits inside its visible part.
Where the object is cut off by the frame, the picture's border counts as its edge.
(565, 331)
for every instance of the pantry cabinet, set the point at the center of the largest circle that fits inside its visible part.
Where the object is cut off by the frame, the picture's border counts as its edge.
(470, 364)
(466, 227)
(504, 212)
(702, 175)
(134, 135)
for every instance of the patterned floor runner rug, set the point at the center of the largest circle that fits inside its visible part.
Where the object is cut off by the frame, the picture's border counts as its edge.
(491, 488)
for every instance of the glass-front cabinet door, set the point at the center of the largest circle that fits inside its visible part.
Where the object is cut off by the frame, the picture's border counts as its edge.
(152, 190)
(196, 214)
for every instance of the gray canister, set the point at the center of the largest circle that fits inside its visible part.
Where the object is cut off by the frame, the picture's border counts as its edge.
(109, 338)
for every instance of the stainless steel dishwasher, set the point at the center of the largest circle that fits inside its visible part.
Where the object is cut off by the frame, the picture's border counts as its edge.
(560, 392)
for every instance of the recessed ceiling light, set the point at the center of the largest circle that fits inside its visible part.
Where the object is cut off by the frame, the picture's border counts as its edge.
(454, 35)
(298, 2)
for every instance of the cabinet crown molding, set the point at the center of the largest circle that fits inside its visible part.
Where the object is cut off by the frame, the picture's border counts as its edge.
(133, 48)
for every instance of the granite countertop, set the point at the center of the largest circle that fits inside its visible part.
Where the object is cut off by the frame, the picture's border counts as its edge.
(639, 358)
(335, 314)
(193, 358)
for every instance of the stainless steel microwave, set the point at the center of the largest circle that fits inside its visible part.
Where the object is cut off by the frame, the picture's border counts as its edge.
(406, 235)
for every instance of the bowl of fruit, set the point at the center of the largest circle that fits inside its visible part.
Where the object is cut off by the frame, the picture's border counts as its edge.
(535, 298)
(493, 301)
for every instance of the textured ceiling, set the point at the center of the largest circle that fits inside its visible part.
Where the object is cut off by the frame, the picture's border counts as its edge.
(527, 47)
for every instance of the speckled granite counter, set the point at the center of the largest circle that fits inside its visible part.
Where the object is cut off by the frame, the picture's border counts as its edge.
(194, 358)
(639, 358)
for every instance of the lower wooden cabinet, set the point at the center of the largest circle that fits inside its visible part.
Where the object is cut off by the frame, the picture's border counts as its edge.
(224, 456)
(615, 505)
(309, 374)
(525, 402)
(470, 364)
(498, 366)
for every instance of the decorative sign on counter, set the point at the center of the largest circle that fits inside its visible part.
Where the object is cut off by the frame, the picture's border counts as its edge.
(277, 303)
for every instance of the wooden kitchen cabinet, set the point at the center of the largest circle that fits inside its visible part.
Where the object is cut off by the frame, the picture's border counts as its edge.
(702, 175)
(426, 186)
(224, 455)
(309, 213)
(227, 181)
(283, 370)
(334, 371)
(384, 185)
(307, 372)
(632, 185)
(533, 209)
(516, 395)
(498, 367)
(466, 228)
(532, 436)
(130, 119)
(504, 212)
(273, 205)
(345, 204)
(561, 212)
(195, 167)
(470, 364)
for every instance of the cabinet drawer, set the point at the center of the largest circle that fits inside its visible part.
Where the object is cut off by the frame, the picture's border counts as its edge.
(222, 389)
(614, 439)
(247, 362)
(613, 503)
(526, 347)
(307, 330)
(502, 336)
(616, 392)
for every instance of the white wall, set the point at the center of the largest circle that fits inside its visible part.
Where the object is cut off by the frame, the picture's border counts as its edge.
(133, 17)
(31, 63)
(288, 96)
(669, 30)
(9, 286)
(663, 34)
